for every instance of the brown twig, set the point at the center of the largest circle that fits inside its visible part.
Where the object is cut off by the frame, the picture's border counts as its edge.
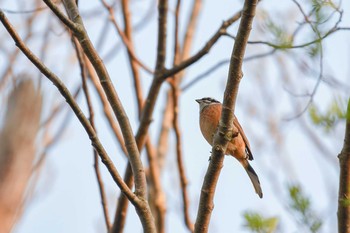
(12, 58)
(147, 112)
(156, 196)
(106, 107)
(205, 50)
(53, 140)
(225, 126)
(138, 26)
(344, 180)
(83, 71)
(191, 26)
(180, 163)
(155, 187)
(162, 145)
(132, 61)
(175, 94)
(80, 33)
(124, 37)
(75, 107)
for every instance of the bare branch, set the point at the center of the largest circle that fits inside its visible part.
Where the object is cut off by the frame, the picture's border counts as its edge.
(106, 107)
(83, 71)
(118, 109)
(125, 38)
(344, 180)
(72, 103)
(184, 64)
(225, 126)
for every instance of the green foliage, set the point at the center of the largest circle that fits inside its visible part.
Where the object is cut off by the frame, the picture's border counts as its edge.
(301, 206)
(281, 36)
(255, 222)
(314, 49)
(321, 12)
(327, 120)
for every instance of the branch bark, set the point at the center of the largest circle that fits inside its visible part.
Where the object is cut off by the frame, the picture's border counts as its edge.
(224, 131)
(137, 199)
(147, 111)
(344, 180)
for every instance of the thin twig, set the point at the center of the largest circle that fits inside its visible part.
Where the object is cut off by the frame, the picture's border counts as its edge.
(132, 61)
(72, 103)
(12, 58)
(80, 33)
(125, 38)
(83, 71)
(320, 76)
(220, 64)
(106, 107)
(175, 93)
(158, 197)
(205, 50)
(137, 27)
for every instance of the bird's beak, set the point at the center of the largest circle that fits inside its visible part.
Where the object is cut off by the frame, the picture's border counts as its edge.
(198, 100)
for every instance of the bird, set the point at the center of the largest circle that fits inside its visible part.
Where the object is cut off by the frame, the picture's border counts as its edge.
(209, 117)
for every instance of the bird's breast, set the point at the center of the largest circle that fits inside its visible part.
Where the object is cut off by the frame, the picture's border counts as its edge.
(209, 121)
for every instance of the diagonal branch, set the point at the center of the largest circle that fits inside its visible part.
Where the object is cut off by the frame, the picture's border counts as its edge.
(73, 104)
(84, 73)
(80, 33)
(205, 50)
(137, 199)
(138, 171)
(225, 126)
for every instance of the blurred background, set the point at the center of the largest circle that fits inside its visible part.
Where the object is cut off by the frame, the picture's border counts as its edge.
(291, 104)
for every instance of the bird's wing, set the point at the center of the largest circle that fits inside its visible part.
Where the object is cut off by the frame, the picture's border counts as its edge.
(245, 139)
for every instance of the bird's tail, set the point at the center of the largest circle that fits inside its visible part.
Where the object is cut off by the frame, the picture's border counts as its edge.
(253, 177)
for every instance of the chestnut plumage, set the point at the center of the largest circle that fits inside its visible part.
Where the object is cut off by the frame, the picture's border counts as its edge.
(238, 147)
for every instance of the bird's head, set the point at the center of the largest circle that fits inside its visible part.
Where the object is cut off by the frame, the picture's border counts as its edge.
(206, 101)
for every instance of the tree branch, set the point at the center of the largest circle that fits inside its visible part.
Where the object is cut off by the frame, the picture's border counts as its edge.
(225, 126)
(124, 36)
(344, 180)
(147, 111)
(72, 103)
(140, 203)
(83, 71)
(205, 50)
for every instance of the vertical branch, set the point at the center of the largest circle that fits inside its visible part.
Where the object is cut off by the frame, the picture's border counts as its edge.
(156, 194)
(180, 163)
(224, 132)
(158, 197)
(132, 62)
(125, 38)
(83, 71)
(191, 26)
(175, 96)
(147, 112)
(168, 112)
(344, 180)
